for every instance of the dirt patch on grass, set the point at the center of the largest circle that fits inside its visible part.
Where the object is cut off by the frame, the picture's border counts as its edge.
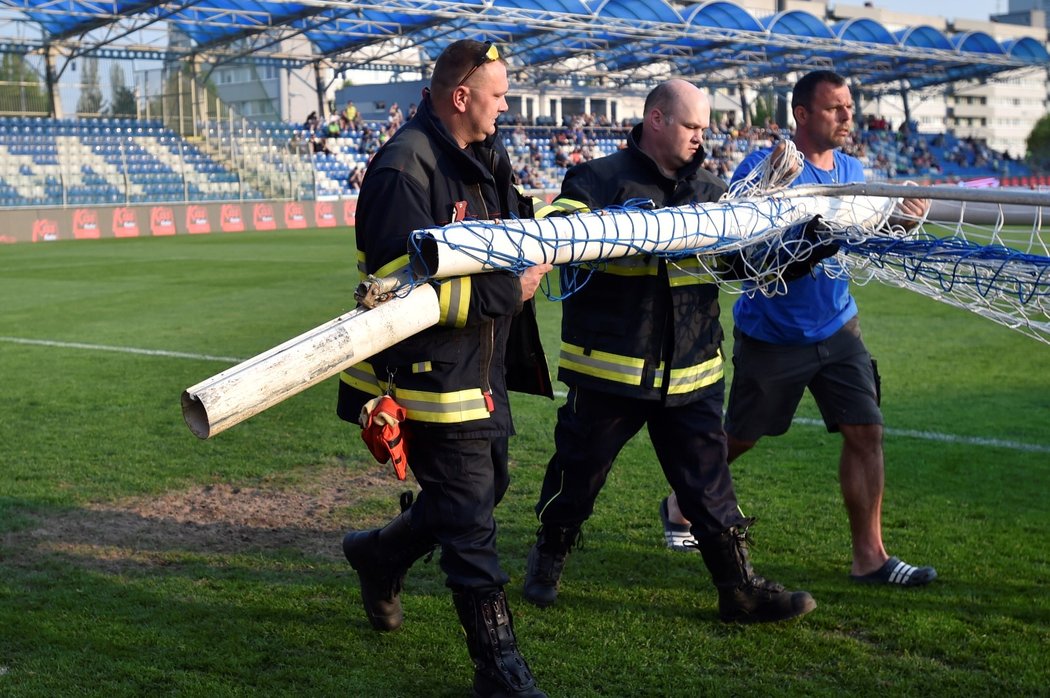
(305, 513)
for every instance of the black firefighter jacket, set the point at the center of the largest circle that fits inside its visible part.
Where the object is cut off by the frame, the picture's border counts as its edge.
(452, 377)
(640, 326)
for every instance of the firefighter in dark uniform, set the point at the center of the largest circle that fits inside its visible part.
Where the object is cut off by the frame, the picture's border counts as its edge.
(446, 164)
(641, 346)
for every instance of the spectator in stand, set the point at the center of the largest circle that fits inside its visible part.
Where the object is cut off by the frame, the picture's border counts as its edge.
(395, 117)
(332, 129)
(356, 177)
(369, 142)
(319, 146)
(525, 177)
(311, 122)
(295, 144)
(518, 137)
(351, 116)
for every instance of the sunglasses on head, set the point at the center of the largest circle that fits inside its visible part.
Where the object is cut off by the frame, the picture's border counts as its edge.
(489, 53)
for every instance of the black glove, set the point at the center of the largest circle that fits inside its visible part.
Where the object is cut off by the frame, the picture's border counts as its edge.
(819, 248)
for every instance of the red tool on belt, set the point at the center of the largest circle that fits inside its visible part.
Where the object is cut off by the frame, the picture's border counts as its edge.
(381, 432)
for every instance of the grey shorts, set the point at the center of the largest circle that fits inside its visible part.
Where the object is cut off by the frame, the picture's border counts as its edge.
(769, 380)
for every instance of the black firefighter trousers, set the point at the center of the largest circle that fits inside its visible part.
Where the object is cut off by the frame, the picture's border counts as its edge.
(689, 442)
(461, 481)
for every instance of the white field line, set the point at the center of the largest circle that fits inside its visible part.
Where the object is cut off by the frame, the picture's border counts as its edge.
(890, 431)
(944, 438)
(122, 350)
(925, 435)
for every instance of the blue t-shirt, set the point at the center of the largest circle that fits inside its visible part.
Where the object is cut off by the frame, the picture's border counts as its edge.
(815, 306)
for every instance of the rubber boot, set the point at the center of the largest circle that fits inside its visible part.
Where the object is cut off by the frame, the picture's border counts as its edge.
(499, 669)
(546, 562)
(743, 596)
(381, 558)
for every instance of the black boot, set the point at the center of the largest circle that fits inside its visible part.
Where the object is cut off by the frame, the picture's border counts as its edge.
(546, 562)
(743, 596)
(381, 558)
(499, 669)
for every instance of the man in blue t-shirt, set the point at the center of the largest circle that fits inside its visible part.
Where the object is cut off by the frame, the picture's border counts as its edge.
(810, 338)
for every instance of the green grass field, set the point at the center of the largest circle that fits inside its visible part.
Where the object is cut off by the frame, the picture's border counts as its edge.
(137, 560)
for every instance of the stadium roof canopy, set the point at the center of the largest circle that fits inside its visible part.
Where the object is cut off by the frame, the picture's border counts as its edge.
(611, 41)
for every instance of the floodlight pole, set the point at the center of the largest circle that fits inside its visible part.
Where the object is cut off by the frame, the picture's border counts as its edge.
(51, 78)
(907, 106)
(320, 88)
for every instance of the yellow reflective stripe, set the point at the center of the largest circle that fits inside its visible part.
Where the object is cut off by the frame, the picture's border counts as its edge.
(443, 408)
(686, 380)
(687, 272)
(362, 376)
(571, 205)
(560, 207)
(390, 268)
(633, 266)
(422, 367)
(421, 405)
(362, 267)
(454, 301)
(601, 364)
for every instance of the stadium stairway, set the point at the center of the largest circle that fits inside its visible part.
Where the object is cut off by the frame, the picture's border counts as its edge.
(264, 167)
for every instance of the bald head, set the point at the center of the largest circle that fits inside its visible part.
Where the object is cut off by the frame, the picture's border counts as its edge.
(676, 114)
(673, 92)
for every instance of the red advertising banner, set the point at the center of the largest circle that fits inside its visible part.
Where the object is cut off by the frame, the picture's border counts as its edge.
(324, 215)
(44, 224)
(85, 224)
(230, 219)
(197, 219)
(294, 218)
(125, 223)
(45, 229)
(162, 220)
(263, 218)
(349, 211)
